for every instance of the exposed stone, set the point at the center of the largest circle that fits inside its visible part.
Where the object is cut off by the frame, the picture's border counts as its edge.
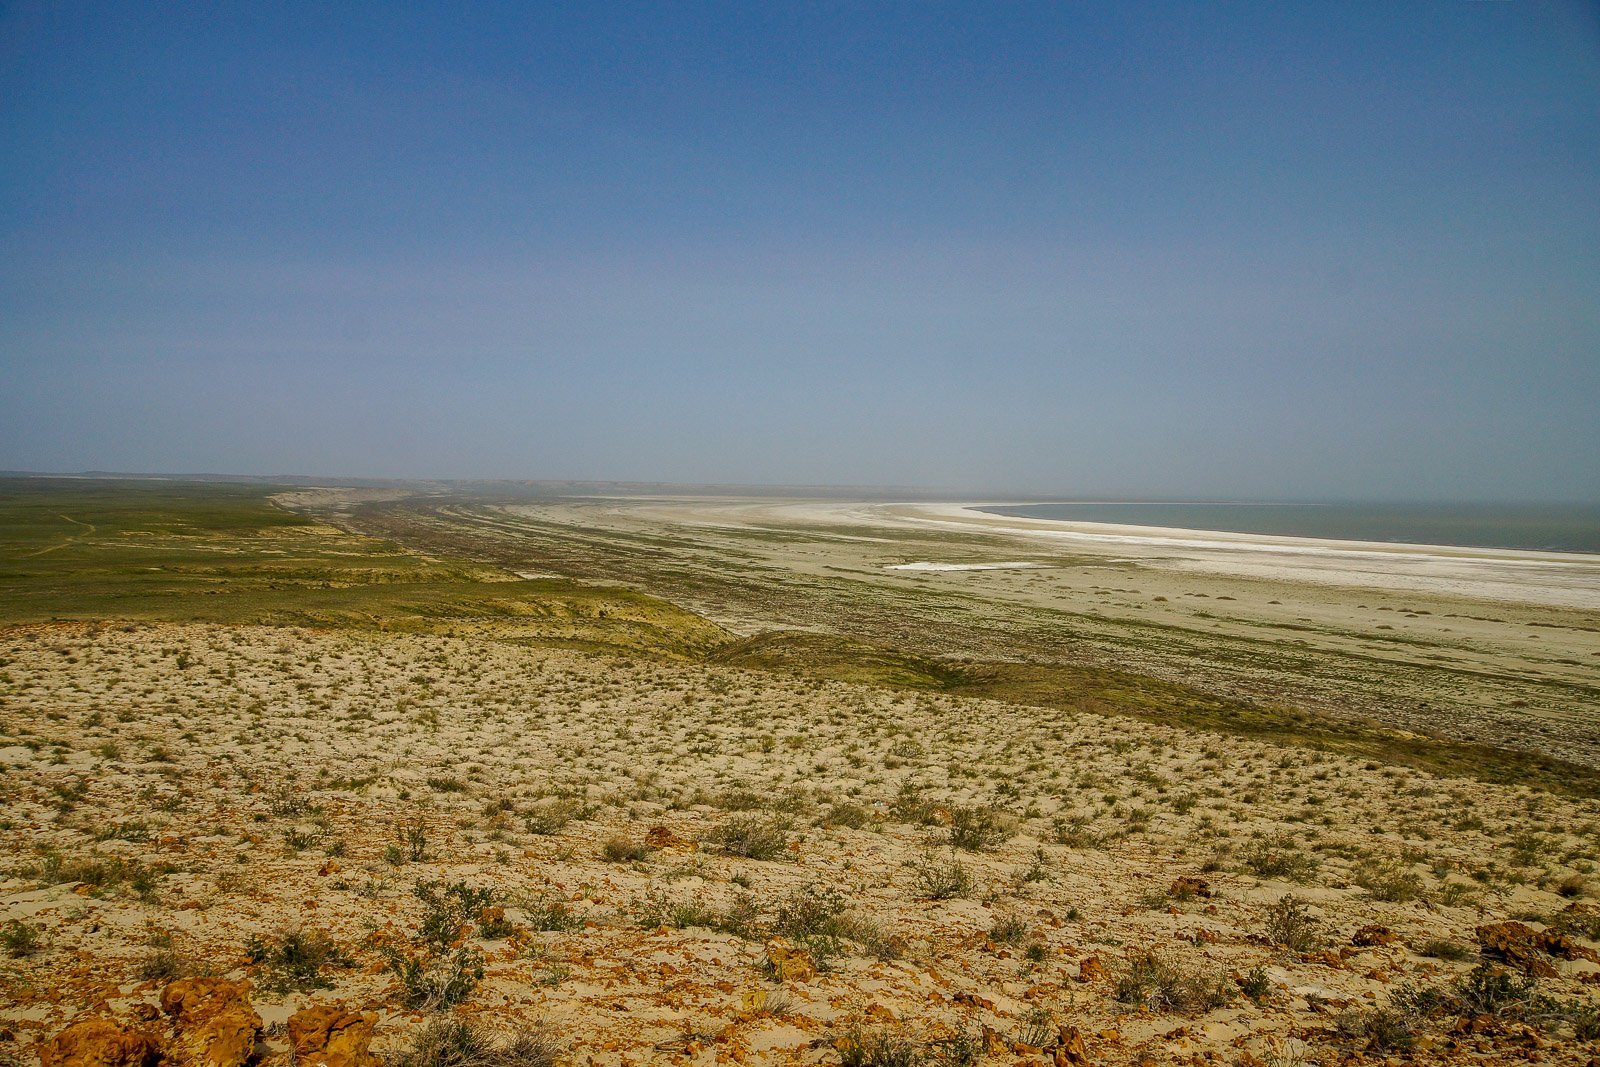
(1523, 947)
(659, 837)
(331, 1035)
(1372, 935)
(99, 1042)
(789, 963)
(216, 1026)
(1070, 1050)
(1091, 970)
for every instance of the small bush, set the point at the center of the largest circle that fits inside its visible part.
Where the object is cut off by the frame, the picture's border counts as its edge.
(846, 814)
(431, 983)
(622, 850)
(551, 816)
(1583, 1017)
(1489, 990)
(1440, 949)
(979, 829)
(1160, 985)
(1290, 923)
(457, 1043)
(1390, 881)
(413, 841)
(1008, 930)
(163, 965)
(1577, 919)
(292, 960)
(1383, 1029)
(21, 939)
(549, 915)
(449, 910)
(756, 837)
(941, 879)
(1075, 830)
(1279, 856)
(1256, 985)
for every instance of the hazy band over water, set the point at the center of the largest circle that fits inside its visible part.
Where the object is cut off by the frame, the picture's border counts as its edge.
(1541, 527)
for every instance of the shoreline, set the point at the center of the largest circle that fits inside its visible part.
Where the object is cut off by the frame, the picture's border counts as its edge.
(972, 514)
(1567, 580)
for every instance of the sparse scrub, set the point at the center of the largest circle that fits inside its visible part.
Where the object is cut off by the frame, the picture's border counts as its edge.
(1279, 856)
(939, 878)
(21, 939)
(980, 829)
(1291, 924)
(551, 815)
(98, 872)
(860, 1046)
(460, 1043)
(1161, 985)
(292, 960)
(1389, 880)
(623, 850)
(756, 837)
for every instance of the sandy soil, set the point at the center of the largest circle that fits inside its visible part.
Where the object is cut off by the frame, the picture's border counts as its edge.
(1488, 645)
(172, 792)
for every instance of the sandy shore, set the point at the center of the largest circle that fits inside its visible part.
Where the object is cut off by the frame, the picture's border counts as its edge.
(1555, 578)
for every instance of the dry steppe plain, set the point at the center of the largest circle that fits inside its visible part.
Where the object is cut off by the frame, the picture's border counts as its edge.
(589, 826)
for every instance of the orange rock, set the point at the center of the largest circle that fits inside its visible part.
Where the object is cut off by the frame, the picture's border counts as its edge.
(331, 1035)
(216, 1026)
(790, 964)
(660, 837)
(993, 1043)
(1373, 934)
(1070, 1050)
(99, 1042)
(1091, 969)
(1522, 947)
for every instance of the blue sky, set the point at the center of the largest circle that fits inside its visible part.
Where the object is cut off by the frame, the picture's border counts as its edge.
(1344, 250)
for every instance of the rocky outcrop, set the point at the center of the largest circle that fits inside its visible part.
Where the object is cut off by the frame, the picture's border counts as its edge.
(790, 963)
(100, 1042)
(331, 1035)
(1373, 935)
(1526, 949)
(215, 1026)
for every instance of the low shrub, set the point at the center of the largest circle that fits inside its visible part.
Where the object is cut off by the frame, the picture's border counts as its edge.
(1161, 985)
(1291, 924)
(756, 837)
(937, 878)
(458, 1043)
(980, 829)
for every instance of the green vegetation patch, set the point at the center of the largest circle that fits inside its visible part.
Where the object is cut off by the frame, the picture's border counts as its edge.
(154, 550)
(839, 658)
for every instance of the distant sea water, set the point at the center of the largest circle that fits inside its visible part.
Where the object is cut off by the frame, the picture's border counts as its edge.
(1539, 527)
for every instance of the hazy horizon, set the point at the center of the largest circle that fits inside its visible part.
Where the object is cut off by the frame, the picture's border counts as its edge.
(1343, 253)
